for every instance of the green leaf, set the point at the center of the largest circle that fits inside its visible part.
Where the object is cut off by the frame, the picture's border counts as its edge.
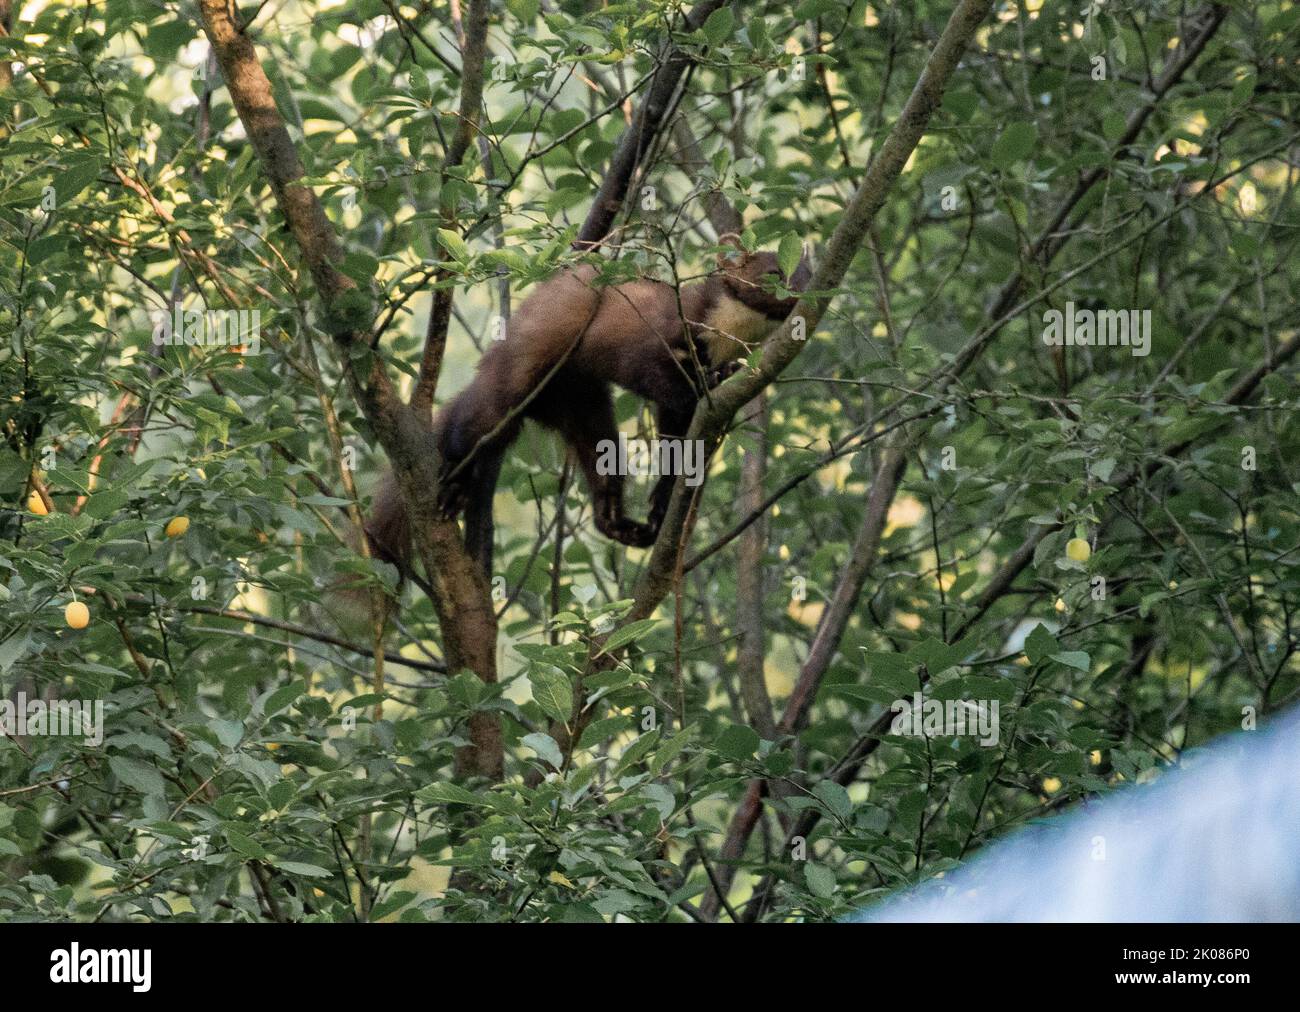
(1101, 469)
(1014, 145)
(821, 880)
(138, 775)
(545, 747)
(106, 503)
(45, 247)
(626, 634)
(391, 904)
(449, 794)
(670, 750)
(240, 843)
(938, 656)
(75, 177)
(834, 797)
(789, 252)
(1074, 659)
(1113, 125)
(283, 696)
(737, 742)
(661, 799)
(525, 10)
(298, 868)
(147, 742)
(717, 27)
(228, 732)
(1039, 644)
(12, 649)
(454, 245)
(552, 692)
(636, 751)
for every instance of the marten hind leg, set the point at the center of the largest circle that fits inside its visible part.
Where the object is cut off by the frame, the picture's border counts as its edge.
(592, 435)
(673, 422)
(479, 492)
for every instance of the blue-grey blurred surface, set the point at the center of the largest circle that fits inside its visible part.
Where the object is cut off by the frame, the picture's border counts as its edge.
(1217, 839)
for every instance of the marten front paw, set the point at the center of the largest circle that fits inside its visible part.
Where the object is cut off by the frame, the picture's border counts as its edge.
(451, 501)
(724, 372)
(632, 533)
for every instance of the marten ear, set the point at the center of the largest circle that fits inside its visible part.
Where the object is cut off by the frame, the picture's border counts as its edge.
(734, 256)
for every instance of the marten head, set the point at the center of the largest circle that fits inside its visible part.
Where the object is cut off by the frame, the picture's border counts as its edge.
(756, 279)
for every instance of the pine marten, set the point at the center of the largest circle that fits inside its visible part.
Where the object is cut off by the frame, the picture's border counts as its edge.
(566, 343)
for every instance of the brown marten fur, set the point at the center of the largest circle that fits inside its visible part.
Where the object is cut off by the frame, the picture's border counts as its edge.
(566, 343)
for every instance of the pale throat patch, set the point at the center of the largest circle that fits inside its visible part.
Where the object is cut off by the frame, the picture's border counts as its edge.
(733, 328)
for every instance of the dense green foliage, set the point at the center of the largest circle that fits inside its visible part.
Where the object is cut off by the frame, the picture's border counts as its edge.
(245, 771)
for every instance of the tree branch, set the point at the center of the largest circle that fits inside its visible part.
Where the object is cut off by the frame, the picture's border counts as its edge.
(461, 595)
(639, 137)
(473, 49)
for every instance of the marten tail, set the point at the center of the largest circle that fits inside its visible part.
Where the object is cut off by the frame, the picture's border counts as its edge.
(472, 452)
(480, 490)
(388, 529)
(348, 601)
(474, 432)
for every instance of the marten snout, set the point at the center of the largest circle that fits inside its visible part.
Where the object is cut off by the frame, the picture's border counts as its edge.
(756, 279)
